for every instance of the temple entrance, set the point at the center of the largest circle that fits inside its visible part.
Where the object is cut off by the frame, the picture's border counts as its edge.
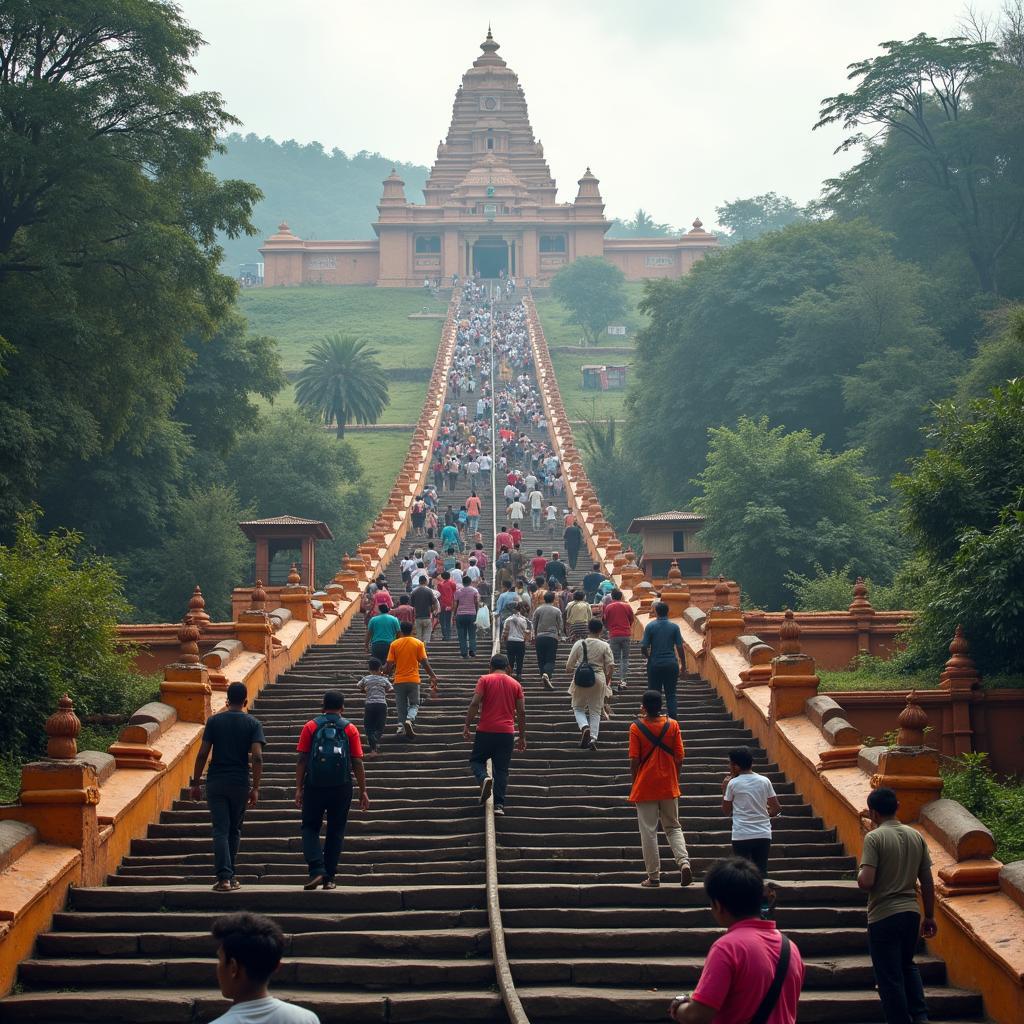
(490, 257)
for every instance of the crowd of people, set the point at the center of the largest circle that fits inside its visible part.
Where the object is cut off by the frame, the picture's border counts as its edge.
(752, 972)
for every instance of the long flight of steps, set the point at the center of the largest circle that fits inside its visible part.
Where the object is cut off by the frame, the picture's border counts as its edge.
(405, 936)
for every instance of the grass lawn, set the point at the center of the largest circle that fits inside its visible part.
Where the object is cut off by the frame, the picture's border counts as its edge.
(381, 454)
(405, 405)
(299, 317)
(559, 331)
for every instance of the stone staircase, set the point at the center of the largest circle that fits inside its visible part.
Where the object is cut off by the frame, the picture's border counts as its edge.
(405, 936)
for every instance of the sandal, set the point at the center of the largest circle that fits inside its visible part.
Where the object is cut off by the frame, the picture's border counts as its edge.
(222, 886)
(330, 885)
(235, 884)
(650, 883)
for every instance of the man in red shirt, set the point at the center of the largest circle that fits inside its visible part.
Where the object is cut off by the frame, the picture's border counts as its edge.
(538, 563)
(516, 534)
(742, 964)
(502, 705)
(446, 588)
(503, 540)
(618, 620)
(323, 786)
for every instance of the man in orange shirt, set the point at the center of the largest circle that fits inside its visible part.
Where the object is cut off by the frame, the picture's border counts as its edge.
(655, 756)
(405, 655)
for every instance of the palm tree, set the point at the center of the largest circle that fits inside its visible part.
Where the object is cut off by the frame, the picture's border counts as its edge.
(342, 382)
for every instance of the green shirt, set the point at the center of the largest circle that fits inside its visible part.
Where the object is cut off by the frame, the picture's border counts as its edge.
(383, 629)
(897, 853)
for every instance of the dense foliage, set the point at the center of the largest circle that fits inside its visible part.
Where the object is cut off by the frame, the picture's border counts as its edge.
(747, 219)
(594, 293)
(1000, 805)
(59, 608)
(778, 502)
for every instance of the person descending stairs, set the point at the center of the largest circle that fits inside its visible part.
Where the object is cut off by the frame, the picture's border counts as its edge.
(404, 936)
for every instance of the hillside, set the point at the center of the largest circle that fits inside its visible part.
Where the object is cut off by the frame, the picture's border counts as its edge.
(321, 194)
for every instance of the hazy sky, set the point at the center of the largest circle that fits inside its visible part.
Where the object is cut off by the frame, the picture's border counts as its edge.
(677, 106)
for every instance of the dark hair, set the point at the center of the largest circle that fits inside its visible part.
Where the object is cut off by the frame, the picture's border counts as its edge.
(238, 694)
(446, 575)
(374, 664)
(597, 567)
(254, 942)
(661, 609)
(423, 581)
(595, 626)
(404, 599)
(540, 551)
(406, 628)
(737, 885)
(578, 595)
(334, 700)
(549, 596)
(742, 758)
(616, 594)
(651, 701)
(883, 801)
(499, 661)
(382, 608)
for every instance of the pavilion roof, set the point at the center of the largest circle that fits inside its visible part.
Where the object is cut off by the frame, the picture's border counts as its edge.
(302, 527)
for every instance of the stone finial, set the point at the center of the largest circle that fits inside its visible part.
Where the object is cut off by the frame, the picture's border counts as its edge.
(860, 604)
(188, 638)
(258, 599)
(789, 634)
(912, 722)
(675, 576)
(62, 728)
(294, 579)
(960, 672)
(721, 591)
(197, 609)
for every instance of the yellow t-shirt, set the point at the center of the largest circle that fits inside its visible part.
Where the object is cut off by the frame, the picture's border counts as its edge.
(407, 652)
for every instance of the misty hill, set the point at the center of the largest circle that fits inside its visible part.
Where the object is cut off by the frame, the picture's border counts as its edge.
(321, 194)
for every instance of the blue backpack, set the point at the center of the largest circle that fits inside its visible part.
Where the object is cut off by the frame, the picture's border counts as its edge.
(330, 760)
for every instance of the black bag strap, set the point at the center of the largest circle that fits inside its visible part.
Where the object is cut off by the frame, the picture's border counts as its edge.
(586, 660)
(656, 741)
(771, 997)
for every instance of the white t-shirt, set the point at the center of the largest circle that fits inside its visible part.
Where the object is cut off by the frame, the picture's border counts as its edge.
(456, 575)
(267, 1011)
(536, 499)
(750, 794)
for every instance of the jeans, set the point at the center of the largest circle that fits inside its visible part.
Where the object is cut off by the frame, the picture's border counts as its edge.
(588, 719)
(498, 747)
(573, 554)
(407, 700)
(664, 678)
(423, 629)
(226, 801)
(620, 652)
(375, 720)
(892, 943)
(516, 653)
(473, 524)
(318, 801)
(648, 813)
(547, 652)
(380, 651)
(754, 850)
(446, 624)
(465, 625)
(535, 518)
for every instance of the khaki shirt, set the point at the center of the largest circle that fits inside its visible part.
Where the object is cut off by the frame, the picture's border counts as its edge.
(897, 853)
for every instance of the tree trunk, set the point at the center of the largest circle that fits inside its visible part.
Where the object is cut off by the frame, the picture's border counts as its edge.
(340, 432)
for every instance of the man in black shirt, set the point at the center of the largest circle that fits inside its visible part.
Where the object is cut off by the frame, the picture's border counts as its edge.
(234, 737)
(555, 569)
(592, 581)
(572, 538)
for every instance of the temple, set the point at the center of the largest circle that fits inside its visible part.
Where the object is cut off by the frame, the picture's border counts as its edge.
(489, 208)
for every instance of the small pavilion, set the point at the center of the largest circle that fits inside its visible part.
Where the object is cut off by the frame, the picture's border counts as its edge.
(285, 534)
(669, 536)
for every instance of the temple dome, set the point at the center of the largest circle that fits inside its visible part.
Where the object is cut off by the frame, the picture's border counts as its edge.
(491, 171)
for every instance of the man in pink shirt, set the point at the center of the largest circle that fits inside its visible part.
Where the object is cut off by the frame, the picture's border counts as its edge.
(502, 705)
(618, 620)
(752, 973)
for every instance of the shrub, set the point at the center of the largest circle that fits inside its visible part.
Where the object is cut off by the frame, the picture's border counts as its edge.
(998, 803)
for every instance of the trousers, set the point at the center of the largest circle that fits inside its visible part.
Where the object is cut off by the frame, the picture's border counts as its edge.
(446, 623)
(226, 802)
(664, 679)
(516, 653)
(375, 720)
(407, 700)
(465, 626)
(892, 943)
(620, 652)
(649, 813)
(423, 629)
(334, 803)
(498, 747)
(547, 652)
(755, 850)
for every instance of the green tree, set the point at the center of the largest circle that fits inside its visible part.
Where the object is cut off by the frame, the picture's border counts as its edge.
(964, 510)
(289, 465)
(202, 545)
(611, 471)
(342, 382)
(943, 122)
(59, 609)
(593, 292)
(108, 226)
(1000, 358)
(746, 219)
(643, 225)
(779, 503)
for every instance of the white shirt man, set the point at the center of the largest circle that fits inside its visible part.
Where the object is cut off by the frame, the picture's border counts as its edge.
(536, 498)
(485, 463)
(473, 572)
(516, 511)
(511, 493)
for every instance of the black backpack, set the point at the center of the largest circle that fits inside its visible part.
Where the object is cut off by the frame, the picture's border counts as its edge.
(330, 760)
(584, 677)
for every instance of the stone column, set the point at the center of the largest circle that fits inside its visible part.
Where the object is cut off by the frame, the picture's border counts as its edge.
(186, 686)
(793, 680)
(724, 622)
(961, 678)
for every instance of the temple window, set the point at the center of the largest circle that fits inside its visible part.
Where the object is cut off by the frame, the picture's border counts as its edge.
(552, 243)
(428, 243)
